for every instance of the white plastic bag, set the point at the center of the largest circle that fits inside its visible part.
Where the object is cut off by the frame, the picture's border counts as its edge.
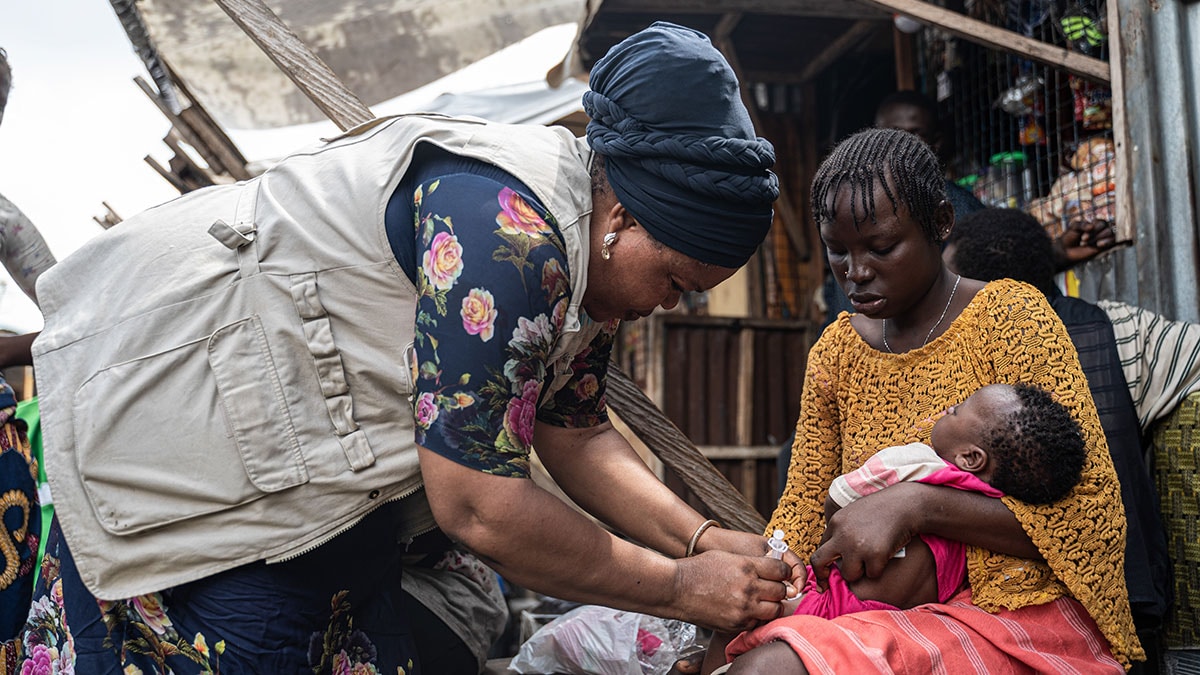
(595, 640)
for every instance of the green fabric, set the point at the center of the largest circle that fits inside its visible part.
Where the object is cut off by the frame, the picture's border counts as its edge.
(28, 411)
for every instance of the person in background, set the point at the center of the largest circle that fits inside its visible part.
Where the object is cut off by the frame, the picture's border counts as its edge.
(338, 370)
(1009, 243)
(25, 256)
(916, 113)
(1046, 592)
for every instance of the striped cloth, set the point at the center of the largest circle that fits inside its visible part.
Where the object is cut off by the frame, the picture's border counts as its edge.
(1160, 358)
(1057, 637)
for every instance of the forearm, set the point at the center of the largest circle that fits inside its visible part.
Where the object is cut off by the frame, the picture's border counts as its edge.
(25, 253)
(588, 463)
(538, 541)
(973, 519)
(535, 540)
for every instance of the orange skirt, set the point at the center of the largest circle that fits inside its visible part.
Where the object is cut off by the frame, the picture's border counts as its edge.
(954, 638)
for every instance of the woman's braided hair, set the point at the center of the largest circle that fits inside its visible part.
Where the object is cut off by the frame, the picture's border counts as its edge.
(901, 162)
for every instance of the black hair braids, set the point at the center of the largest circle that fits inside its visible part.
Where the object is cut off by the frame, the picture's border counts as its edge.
(893, 159)
(1038, 450)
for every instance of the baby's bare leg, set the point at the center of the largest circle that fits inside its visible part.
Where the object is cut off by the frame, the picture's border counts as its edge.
(906, 582)
(773, 658)
(715, 656)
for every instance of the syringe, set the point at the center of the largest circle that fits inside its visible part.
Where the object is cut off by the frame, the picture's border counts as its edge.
(778, 546)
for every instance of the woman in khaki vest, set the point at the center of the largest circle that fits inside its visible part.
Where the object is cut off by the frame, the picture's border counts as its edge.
(240, 438)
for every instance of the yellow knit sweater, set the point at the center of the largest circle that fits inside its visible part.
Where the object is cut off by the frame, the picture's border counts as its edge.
(857, 400)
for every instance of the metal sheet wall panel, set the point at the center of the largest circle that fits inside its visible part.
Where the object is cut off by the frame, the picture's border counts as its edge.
(1160, 54)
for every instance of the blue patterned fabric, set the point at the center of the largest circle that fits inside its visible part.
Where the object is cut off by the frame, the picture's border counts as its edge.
(20, 523)
(338, 609)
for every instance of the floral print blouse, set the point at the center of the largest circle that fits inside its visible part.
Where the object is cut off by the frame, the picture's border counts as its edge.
(493, 285)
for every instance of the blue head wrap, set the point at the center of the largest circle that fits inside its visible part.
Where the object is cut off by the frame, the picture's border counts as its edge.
(679, 146)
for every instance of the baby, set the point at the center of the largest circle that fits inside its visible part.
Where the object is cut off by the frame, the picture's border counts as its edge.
(1004, 439)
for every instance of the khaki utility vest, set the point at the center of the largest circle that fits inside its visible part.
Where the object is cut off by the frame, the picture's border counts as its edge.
(226, 377)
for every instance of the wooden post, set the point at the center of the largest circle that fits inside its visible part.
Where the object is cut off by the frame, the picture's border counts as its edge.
(905, 51)
(1126, 230)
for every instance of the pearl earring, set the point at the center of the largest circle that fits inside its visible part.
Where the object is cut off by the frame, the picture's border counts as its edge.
(608, 240)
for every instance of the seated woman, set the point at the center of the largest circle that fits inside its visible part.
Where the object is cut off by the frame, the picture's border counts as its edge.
(1046, 591)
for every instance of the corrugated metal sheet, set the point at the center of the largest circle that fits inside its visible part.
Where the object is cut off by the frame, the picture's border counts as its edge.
(379, 48)
(1160, 52)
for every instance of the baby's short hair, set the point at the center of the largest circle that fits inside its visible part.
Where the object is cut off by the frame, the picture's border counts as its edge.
(1038, 451)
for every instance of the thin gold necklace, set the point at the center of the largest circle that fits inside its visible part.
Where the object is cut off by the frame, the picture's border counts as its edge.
(939, 321)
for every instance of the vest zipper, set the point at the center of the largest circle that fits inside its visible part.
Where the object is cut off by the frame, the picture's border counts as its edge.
(320, 541)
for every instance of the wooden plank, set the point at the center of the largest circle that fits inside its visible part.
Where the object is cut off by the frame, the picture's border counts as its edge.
(167, 175)
(674, 377)
(904, 48)
(745, 387)
(229, 160)
(762, 368)
(692, 390)
(211, 133)
(738, 452)
(1123, 149)
(814, 8)
(109, 218)
(997, 38)
(187, 122)
(716, 377)
(181, 127)
(797, 360)
(302, 66)
(749, 471)
(855, 35)
(184, 158)
(679, 454)
(655, 347)
(775, 384)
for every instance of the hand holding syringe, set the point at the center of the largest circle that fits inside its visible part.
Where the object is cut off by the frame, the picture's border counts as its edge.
(777, 548)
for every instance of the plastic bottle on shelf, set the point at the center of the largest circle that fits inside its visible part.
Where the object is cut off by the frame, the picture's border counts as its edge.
(1014, 179)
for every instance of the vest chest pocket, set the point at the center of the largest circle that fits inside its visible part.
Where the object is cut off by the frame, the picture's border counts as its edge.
(199, 428)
